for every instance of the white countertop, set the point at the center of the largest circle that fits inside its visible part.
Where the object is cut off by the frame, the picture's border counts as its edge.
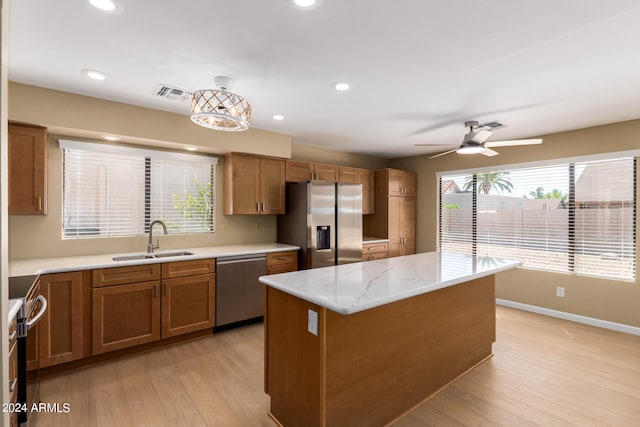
(75, 263)
(14, 306)
(350, 288)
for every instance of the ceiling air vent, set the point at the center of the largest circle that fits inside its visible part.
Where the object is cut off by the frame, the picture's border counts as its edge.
(492, 125)
(172, 93)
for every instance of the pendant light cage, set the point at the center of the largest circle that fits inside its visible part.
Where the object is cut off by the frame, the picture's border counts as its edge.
(219, 109)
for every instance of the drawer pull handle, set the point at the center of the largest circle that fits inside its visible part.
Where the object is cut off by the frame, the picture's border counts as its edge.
(12, 385)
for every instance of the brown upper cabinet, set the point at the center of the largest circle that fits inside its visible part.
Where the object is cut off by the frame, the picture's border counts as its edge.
(297, 171)
(253, 185)
(401, 183)
(27, 169)
(366, 178)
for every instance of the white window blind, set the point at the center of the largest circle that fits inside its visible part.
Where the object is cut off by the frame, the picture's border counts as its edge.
(117, 191)
(575, 217)
(182, 194)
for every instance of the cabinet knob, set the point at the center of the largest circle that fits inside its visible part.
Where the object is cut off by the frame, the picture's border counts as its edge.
(39, 203)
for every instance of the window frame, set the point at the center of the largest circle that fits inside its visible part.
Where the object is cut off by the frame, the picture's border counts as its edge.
(571, 223)
(147, 156)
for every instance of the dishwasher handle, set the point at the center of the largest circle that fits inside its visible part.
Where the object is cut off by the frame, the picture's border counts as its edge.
(226, 261)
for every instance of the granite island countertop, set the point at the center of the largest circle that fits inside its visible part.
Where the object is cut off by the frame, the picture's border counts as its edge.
(350, 288)
(89, 262)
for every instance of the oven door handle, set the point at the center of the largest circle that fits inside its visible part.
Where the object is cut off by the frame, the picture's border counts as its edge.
(36, 318)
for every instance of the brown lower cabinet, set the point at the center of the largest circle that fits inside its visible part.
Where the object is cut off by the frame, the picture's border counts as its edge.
(60, 331)
(282, 262)
(125, 315)
(128, 314)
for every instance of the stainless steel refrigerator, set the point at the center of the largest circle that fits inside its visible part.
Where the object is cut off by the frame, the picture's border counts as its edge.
(325, 220)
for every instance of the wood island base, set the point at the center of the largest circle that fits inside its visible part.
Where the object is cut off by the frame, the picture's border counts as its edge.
(373, 366)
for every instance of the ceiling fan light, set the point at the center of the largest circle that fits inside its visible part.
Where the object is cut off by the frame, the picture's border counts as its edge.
(470, 149)
(220, 110)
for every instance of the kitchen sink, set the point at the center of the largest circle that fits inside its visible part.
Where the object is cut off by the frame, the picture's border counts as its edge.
(134, 257)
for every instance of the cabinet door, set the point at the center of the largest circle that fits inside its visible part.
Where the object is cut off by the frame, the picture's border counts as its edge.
(366, 178)
(242, 184)
(27, 170)
(409, 184)
(402, 228)
(402, 183)
(408, 225)
(60, 329)
(348, 175)
(298, 171)
(395, 228)
(188, 304)
(271, 186)
(326, 172)
(125, 315)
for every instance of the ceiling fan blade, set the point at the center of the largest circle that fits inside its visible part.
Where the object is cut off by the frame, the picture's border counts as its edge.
(480, 136)
(489, 152)
(513, 142)
(442, 154)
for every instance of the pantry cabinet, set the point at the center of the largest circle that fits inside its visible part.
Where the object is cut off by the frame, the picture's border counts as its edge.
(254, 185)
(395, 216)
(27, 169)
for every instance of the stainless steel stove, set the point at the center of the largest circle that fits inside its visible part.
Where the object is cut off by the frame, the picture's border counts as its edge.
(33, 308)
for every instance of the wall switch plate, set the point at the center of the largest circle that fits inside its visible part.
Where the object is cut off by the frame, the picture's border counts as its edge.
(560, 291)
(312, 322)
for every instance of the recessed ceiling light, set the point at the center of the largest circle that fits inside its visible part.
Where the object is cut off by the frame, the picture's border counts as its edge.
(107, 5)
(94, 74)
(191, 148)
(278, 117)
(111, 138)
(305, 3)
(341, 86)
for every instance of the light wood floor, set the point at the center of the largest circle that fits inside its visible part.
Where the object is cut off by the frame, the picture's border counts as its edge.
(545, 372)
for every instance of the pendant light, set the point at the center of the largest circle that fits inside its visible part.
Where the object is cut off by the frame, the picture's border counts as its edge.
(220, 109)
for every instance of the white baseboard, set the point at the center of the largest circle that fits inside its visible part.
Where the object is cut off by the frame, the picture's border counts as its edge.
(570, 316)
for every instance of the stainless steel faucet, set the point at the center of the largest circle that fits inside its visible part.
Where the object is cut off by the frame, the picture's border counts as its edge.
(151, 247)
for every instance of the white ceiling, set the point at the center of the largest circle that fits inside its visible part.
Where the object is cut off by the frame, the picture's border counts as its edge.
(417, 68)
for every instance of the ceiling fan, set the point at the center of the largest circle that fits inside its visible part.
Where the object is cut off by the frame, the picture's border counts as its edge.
(475, 142)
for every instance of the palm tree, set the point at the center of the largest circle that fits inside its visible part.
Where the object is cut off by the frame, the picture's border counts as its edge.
(499, 181)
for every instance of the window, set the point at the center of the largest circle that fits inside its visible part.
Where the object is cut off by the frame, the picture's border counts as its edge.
(575, 217)
(117, 191)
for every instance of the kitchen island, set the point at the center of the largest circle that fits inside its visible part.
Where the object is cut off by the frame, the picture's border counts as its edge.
(364, 343)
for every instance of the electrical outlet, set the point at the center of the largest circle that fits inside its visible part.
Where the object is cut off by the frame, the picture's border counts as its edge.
(560, 291)
(258, 226)
(312, 322)
(225, 227)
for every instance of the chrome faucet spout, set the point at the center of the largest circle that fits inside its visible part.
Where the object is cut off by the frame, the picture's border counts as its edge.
(151, 247)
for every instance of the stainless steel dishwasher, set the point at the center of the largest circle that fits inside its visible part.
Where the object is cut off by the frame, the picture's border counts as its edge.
(239, 295)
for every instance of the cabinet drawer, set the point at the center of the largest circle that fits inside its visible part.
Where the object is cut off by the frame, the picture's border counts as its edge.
(374, 256)
(123, 275)
(275, 258)
(373, 248)
(282, 268)
(188, 268)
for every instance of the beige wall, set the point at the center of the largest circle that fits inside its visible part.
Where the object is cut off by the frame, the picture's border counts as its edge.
(40, 236)
(78, 117)
(610, 300)
(82, 116)
(307, 153)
